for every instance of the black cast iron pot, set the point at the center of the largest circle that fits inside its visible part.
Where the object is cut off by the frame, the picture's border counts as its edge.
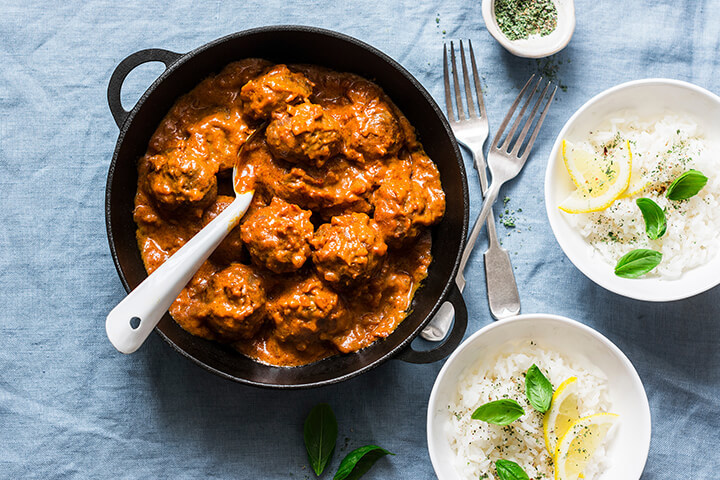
(291, 44)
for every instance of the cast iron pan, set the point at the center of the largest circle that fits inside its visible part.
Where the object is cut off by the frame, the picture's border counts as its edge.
(291, 44)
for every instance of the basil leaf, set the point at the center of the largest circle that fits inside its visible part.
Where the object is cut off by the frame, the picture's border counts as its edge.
(509, 470)
(655, 223)
(358, 462)
(320, 432)
(637, 263)
(686, 185)
(499, 412)
(538, 389)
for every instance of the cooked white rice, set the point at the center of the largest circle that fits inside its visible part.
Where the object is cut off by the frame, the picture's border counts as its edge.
(664, 147)
(478, 445)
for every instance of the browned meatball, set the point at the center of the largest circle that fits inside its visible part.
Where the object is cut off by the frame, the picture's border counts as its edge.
(348, 249)
(220, 134)
(304, 134)
(307, 312)
(231, 248)
(235, 302)
(274, 90)
(339, 186)
(180, 178)
(278, 236)
(373, 130)
(409, 198)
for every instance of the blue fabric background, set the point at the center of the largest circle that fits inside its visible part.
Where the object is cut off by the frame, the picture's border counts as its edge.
(72, 407)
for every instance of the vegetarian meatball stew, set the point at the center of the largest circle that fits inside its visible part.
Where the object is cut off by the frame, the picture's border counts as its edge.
(336, 241)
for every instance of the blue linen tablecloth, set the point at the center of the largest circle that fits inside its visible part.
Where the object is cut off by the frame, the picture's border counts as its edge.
(72, 407)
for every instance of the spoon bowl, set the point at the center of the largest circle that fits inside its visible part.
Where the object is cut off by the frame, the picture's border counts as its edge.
(130, 323)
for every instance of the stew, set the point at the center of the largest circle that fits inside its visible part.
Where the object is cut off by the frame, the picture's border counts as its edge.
(336, 240)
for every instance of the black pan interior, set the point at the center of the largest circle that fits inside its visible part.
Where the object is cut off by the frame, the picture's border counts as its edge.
(291, 45)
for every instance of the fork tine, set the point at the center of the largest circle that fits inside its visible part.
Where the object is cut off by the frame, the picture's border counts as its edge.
(528, 123)
(456, 82)
(476, 77)
(506, 120)
(538, 125)
(506, 144)
(466, 81)
(446, 77)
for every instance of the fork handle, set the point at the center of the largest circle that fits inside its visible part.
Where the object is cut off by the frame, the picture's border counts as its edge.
(488, 202)
(481, 167)
(502, 291)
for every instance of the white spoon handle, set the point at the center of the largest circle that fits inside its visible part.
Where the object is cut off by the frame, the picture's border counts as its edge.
(152, 298)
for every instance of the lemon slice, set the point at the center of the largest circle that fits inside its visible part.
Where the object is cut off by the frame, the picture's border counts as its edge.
(599, 181)
(580, 164)
(638, 183)
(577, 446)
(562, 414)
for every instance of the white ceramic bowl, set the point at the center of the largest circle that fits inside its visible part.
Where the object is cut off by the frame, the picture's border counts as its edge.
(534, 47)
(651, 96)
(629, 448)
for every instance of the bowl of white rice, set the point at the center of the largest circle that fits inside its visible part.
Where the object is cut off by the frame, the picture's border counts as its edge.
(672, 127)
(492, 364)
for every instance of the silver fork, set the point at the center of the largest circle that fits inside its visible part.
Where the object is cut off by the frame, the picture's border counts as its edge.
(471, 130)
(504, 162)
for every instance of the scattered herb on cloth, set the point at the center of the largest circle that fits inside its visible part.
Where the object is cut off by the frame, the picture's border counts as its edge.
(519, 19)
(359, 461)
(320, 432)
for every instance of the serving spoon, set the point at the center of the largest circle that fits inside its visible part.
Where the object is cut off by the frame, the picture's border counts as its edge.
(132, 320)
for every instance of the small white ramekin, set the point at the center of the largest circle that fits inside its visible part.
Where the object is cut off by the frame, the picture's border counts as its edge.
(646, 97)
(628, 450)
(536, 46)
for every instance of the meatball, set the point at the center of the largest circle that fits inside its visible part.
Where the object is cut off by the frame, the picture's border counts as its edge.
(339, 186)
(220, 134)
(180, 178)
(409, 198)
(348, 249)
(235, 301)
(278, 236)
(307, 312)
(373, 130)
(231, 248)
(274, 90)
(304, 134)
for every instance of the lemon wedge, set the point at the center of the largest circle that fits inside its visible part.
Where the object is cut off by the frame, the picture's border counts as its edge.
(563, 412)
(599, 181)
(577, 446)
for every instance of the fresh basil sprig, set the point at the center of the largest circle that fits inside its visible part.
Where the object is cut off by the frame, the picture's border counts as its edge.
(538, 389)
(655, 223)
(509, 470)
(320, 432)
(637, 263)
(358, 462)
(500, 412)
(686, 185)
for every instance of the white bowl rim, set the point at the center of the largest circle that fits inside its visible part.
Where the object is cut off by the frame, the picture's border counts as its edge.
(659, 296)
(467, 343)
